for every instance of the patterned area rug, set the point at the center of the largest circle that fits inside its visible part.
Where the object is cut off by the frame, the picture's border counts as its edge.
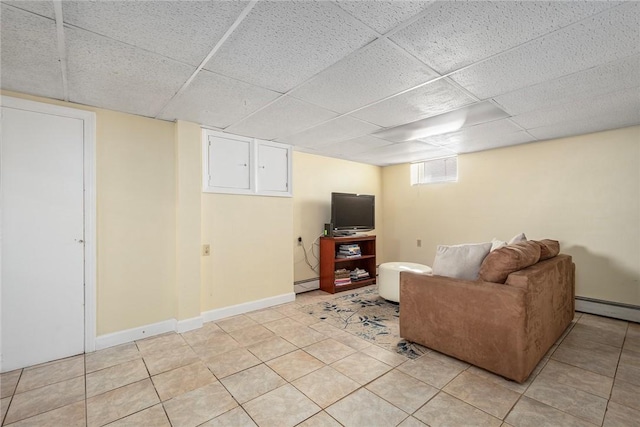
(368, 316)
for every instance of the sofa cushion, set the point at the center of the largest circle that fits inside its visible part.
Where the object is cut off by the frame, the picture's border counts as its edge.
(497, 266)
(548, 248)
(460, 261)
(497, 244)
(518, 238)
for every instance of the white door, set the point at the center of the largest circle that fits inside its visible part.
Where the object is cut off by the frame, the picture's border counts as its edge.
(42, 238)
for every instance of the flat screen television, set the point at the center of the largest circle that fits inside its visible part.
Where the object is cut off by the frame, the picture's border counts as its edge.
(351, 213)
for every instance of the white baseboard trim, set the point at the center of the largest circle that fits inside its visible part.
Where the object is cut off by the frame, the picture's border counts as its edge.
(133, 334)
(234, 310)
(608, 309)
(187, 325)
(173, 325)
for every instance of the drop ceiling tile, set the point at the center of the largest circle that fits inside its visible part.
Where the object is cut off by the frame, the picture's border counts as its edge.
(624, 100)
(494, 141)
(284, 117)
(340, 129)
(215, 100)
(455, 34)
(472, 133)
(183, 30)
(611, 35)
(609, 120)
(435, 98)
(383, 16)
(281, 44)
(611, 77)
(29, 54)
(380, 70)
(42, 8)
(354, 146)
(110, 74)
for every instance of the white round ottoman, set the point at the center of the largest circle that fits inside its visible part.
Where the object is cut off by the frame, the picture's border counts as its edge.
(389, 277)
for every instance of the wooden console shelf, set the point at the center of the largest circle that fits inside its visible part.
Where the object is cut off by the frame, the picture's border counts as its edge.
(329, 263)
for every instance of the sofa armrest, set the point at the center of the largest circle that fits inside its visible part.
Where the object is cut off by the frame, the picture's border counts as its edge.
(550, 287)
(482, 323)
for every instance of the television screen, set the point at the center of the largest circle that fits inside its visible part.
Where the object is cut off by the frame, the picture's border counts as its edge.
(352, 211)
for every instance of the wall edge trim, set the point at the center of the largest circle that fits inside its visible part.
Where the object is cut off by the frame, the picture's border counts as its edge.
(233, 310)
(133, 334)
(187, 325)
(608, 309)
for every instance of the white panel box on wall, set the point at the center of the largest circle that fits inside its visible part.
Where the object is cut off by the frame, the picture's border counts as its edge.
(274, 171)
(228, 162)
(239, 165)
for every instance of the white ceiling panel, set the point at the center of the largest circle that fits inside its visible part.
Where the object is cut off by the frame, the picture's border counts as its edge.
(435, 98)
(215, 100)
(43, 8)
(354, 146)
(474, 133)
(382, 15)
(611, 35)
(284, 117)
(29, 55)
(280, 44)
(497, 140)
(110, 74)
(625, 100)
(340, 129)
(320, 75)
(379, 70)
(455, 34)
(608, 120)
(182, 30)
(611, 77)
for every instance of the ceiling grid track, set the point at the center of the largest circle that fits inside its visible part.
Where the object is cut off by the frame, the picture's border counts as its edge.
(373, 42)
(62, 48)
(495, 55)
(213, 51)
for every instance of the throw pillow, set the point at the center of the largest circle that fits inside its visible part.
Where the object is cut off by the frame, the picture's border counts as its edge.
(548, 248)
(518, 238)
(497, 244)
(504, 261)
(460, 261)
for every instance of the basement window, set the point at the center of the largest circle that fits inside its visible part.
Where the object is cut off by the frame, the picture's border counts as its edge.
(435, 171)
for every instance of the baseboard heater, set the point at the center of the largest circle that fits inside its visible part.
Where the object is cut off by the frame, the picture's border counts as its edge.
(299, 282)
(306, 285)
(616, 310)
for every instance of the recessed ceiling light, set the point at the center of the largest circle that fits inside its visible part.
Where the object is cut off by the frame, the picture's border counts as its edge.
(451, 121)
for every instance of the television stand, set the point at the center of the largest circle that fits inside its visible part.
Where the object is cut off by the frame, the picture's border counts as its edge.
(329, 262)
(344, 233)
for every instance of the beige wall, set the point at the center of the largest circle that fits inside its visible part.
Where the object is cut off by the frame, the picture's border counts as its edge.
(136, 221)
(136, 218)
(314, 179)
(188, 148)
(251, 251)
(583, 191)
(153, 218)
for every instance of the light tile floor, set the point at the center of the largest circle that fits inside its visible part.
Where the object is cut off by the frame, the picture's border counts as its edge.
(282, 367)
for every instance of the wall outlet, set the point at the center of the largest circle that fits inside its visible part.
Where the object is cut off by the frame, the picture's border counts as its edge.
(300, 241)
(206, 250)
(419, 243)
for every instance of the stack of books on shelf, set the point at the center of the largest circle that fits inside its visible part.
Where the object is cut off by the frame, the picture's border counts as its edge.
(342, 277)
(349, 251)
(359, 274)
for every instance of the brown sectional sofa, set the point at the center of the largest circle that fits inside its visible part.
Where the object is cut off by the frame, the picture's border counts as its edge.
(503, 328)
